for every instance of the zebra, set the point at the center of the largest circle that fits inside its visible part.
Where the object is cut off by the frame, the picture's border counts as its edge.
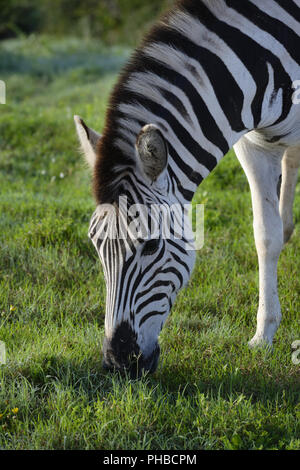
(210, 75)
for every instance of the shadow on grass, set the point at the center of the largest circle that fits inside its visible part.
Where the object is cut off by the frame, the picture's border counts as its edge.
(258, 385)
(93, 380)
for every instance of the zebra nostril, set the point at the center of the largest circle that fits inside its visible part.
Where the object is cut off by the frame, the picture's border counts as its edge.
(133, 364)
(122, 353)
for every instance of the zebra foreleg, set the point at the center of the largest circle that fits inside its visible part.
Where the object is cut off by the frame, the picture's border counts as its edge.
(263, 168)
(290, 166)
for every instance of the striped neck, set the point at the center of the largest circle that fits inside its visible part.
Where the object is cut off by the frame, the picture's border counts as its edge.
(194, 79)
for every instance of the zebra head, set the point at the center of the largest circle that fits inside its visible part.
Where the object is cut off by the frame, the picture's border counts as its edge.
(146, 255)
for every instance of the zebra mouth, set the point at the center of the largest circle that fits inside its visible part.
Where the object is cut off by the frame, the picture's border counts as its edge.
(122, 353)
(135, 366)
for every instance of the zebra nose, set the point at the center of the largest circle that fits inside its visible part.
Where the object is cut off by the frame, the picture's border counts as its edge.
(121, 348)
(121, 352)
(133, 364)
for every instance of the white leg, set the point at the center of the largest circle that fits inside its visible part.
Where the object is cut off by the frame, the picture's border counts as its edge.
(290, 165)
(263, 169)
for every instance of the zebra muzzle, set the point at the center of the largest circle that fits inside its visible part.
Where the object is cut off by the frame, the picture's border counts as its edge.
(121, 353)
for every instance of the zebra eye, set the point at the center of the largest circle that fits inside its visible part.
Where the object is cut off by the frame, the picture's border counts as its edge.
(150, 247)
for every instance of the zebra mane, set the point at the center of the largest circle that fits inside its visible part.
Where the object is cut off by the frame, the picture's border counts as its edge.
(115, 160)
(202, 97)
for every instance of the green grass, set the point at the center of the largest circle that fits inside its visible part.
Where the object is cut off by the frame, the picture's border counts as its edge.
(210, 391)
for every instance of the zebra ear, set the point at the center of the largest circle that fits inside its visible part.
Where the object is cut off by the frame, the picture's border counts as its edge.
(152, 150)
(88, 139)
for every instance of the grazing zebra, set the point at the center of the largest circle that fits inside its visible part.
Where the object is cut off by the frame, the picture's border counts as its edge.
(211, 74)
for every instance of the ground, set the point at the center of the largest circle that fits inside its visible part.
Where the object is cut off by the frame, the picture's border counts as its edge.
(210, 391)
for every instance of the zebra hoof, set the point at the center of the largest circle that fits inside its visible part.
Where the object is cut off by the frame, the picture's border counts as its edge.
(288, 232)
(260, 343)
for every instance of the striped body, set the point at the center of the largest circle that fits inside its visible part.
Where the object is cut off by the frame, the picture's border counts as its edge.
(210, 74)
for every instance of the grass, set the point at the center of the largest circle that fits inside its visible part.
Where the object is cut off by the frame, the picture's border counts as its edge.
(210, 391)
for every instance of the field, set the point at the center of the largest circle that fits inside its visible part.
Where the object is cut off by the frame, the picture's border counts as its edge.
(210, 391)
